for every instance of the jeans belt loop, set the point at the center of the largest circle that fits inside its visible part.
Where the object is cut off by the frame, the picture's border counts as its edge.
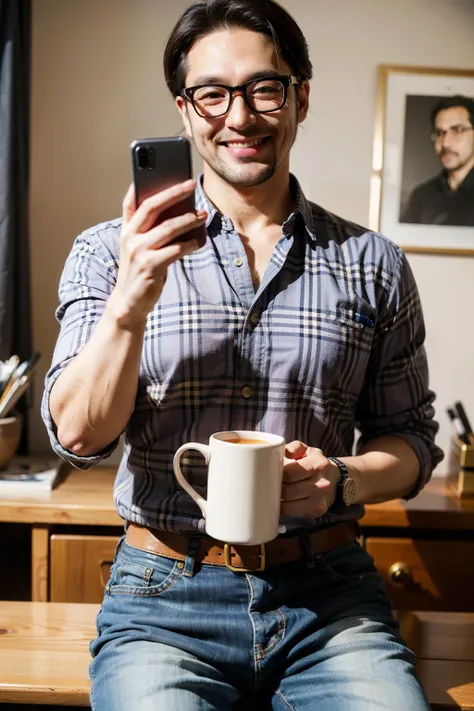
(308, 549)
(190, 561)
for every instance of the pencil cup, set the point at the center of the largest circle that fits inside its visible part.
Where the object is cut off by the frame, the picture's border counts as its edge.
(461, 467)
(10, 433)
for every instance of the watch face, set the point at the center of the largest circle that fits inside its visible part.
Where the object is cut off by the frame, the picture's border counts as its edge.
(348, 492)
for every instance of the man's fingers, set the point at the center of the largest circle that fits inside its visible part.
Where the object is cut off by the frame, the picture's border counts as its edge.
(296, 490)
(298, 470)
(146, 215)
(296, 449)
(173, 228)
(304, 507)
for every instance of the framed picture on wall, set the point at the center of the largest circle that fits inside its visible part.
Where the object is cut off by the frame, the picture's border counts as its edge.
(422, 187)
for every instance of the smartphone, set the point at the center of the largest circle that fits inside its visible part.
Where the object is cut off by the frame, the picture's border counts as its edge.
(158, 164)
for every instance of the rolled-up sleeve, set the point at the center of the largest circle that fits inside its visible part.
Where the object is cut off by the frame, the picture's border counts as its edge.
(87, 281)
(396, 399)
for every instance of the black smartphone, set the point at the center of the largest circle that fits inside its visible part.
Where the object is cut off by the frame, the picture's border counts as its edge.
(158, 164)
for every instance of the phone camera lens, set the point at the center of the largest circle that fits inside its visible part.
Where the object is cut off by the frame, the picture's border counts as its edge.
(142, 157)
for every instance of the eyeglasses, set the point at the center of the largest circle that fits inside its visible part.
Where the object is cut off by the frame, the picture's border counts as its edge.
(455, 131)
(261, 95)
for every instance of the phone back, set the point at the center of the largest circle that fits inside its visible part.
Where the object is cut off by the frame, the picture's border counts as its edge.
(158, 164)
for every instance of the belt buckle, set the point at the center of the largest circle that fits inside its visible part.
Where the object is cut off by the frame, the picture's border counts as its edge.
(227, 560)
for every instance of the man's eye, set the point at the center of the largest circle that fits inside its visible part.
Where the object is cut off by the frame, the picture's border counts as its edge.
(264, 89)
(210, 95)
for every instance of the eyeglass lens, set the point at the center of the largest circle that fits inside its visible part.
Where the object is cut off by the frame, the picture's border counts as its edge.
(454, 131)
(263, 96)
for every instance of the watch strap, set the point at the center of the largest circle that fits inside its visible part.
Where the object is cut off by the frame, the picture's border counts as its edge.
(339, 503)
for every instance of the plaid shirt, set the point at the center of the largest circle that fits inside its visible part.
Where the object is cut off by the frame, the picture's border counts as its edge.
(331, 342)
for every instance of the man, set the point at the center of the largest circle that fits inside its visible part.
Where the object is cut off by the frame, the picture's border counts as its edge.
(448, 199)
(290, 320)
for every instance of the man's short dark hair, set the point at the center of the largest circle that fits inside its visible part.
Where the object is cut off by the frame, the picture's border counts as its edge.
(206, 16)
(451, 102)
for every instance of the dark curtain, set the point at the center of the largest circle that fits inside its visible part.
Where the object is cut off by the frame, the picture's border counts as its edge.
(15, 61)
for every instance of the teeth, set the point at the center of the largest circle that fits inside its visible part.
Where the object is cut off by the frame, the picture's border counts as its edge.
(247, 144)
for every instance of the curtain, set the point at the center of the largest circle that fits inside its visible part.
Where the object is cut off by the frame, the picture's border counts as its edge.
(15, 63)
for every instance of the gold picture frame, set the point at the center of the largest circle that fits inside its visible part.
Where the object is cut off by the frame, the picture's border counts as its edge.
(405, 93)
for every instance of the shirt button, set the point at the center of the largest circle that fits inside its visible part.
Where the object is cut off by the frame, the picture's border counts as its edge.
(254, 318)
(238, 261)
(247, 392)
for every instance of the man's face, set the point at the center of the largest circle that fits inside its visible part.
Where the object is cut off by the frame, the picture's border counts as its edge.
(243, 147)
(454, 147)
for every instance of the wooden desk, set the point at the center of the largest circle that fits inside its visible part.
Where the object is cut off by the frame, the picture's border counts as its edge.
(444, 646)
(75, 528)
(44, 653)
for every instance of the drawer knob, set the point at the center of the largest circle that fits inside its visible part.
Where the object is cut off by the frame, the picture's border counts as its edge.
(399, 575)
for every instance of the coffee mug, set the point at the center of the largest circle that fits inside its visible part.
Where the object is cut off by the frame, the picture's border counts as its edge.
(245, 473)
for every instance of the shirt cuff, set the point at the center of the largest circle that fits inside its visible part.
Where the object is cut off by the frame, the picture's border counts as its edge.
(425, 459)
(74, 459)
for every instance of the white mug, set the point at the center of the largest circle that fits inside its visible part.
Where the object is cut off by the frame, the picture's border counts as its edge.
(245, 473)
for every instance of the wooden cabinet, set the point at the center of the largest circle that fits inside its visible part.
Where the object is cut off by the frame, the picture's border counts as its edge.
(80, 567)
(426, 574)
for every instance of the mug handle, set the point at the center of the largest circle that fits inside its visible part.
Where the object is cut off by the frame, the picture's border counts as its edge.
(206, 452)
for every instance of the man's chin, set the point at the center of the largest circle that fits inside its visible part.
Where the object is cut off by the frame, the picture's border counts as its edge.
(246, 176)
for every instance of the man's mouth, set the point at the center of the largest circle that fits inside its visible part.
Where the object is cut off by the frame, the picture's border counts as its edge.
(247, 143)
(245, 147)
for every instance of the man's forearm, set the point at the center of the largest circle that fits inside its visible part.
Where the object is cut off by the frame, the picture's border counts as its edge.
(387, 468)
(92, 400)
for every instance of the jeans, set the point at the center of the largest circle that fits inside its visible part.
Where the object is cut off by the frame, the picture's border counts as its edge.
(316, 634)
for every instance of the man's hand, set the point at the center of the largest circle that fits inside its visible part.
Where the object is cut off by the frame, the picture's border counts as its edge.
(309, 481)
(147, 250)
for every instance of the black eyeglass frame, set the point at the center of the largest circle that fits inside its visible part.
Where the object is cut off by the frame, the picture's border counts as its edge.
(286, 80)
(459, 132)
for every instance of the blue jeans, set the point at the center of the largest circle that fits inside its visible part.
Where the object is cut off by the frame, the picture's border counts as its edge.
(317, 634)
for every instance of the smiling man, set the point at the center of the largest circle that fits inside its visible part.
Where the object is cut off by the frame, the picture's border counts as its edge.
(448, 199)
(289, 320)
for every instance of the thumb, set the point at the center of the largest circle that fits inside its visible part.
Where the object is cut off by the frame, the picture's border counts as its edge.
(128, 204)
(296, 449)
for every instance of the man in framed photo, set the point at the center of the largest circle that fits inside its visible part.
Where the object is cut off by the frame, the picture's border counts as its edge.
(448, 198)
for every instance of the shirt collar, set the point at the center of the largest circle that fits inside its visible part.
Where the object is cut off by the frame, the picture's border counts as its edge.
(302, 211)
(467, 185)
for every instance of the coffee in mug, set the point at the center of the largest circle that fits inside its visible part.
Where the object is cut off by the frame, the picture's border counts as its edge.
(245, 474)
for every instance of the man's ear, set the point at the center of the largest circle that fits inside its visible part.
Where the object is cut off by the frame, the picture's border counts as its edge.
(183, 110)
(302, 98)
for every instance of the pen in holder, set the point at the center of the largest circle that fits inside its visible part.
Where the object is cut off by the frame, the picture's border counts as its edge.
(461, 467)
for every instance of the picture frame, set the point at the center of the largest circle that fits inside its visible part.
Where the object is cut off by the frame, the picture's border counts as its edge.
(405, 157)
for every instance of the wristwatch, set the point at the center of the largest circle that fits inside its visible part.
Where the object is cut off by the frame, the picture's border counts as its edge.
(346, 490)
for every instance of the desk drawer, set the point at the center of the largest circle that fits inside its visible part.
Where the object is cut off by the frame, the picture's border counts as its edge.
(426, 574)
(79, 567)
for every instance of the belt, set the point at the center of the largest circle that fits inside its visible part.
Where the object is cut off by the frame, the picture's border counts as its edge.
(240, 558)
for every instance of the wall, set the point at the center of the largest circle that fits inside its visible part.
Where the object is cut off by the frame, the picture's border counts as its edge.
(97, 85)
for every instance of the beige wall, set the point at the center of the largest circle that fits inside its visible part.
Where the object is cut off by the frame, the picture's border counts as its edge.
(97, 85)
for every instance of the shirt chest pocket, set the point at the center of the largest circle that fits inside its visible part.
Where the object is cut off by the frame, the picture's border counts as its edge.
(343, 351)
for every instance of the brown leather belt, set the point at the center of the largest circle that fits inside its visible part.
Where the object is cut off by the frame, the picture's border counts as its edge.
(239, 558)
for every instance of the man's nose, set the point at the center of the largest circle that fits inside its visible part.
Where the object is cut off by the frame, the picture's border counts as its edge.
(240, 114)
(445, 140)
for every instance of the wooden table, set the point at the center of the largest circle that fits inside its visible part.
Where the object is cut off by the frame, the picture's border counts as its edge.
(432, 535)
(44, 652)
(444, 645)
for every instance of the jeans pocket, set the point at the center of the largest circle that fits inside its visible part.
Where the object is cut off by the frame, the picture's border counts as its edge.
(138, 572)
(348, 563)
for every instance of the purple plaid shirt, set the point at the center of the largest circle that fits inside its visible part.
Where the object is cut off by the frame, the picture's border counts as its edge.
(331, 342)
